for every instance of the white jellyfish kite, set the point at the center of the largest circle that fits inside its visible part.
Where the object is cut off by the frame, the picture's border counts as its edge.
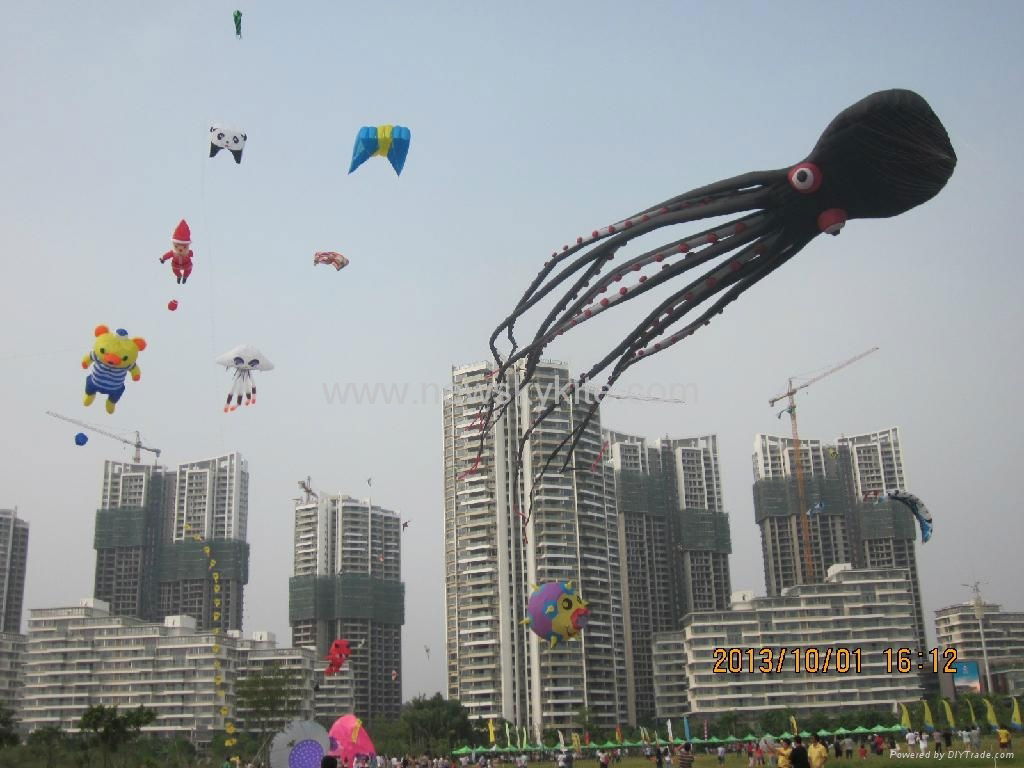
(244, 359)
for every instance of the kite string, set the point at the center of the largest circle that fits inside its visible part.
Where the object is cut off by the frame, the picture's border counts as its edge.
(211, 281)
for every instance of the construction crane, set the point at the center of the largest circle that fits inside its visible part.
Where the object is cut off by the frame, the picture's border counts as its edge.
(306, 486)
(803, 521)
(137, 443)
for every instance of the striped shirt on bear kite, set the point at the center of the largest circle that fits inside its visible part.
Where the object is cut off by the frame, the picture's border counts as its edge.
(107, 377)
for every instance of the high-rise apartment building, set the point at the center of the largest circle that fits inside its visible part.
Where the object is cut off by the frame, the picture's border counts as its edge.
(701, 525)
(13, 564)
(132, 523)
(958, 626)
(849, 518)
(497, 667)
(675, 540)
(147, 565)
(347, 583)
(12, 666)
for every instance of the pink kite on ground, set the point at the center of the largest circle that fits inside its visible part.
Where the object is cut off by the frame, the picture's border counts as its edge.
(349, 738)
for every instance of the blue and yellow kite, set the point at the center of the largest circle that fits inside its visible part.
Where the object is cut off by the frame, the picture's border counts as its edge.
(390, 141)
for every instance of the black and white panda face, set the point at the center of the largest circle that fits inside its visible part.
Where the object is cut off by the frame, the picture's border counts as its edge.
(225, 138)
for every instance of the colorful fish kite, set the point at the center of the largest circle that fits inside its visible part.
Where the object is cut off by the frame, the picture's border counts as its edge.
(390, 141)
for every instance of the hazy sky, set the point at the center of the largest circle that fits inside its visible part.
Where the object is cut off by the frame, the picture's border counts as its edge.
(531, 123)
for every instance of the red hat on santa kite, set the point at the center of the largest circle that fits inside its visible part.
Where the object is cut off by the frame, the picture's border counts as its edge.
(182, 233)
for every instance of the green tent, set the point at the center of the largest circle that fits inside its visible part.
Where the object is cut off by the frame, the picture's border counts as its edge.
(860, 729)
(750, 737)
(731, 740)
(609, 745)
(898, 728)
(713, 740)
(785, 735)
(879, 729)
(632, 744)
(840, 731)
(824, 732)
(769, 736)
(462, 751)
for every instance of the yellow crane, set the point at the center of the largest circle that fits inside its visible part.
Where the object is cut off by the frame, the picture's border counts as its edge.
(137, 443)
(803, 521)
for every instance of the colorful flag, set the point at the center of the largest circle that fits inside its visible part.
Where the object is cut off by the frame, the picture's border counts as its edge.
(974, 717)
(905, 719)
(1015, 721)
(522, 738)
(686, 728)
(792, 723)
(929, 724)
(991, 714)
(586, 738)
(355, 730)
(508, 737)
(490, 729)
(618, 733)
(576, 742)
(949, 713)
(705, 729)
(561, 740)
(669, 724)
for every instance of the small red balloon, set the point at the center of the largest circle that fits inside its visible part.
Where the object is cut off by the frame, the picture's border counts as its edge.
(172, 304)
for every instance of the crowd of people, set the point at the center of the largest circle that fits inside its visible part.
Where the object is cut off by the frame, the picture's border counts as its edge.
(786, 753)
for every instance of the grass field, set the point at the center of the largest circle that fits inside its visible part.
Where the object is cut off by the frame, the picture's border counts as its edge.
(872, 761)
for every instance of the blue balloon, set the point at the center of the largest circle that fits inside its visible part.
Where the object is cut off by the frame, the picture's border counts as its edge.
(81, 438)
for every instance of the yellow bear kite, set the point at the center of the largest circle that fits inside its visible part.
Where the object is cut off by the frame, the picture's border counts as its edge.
(113, 356)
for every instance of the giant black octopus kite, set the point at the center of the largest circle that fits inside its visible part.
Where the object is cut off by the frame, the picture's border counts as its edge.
(878, 158)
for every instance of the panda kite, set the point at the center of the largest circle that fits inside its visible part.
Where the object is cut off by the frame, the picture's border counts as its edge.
(226, 138)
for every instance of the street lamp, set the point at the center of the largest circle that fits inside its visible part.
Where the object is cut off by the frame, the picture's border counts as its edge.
(979, 614)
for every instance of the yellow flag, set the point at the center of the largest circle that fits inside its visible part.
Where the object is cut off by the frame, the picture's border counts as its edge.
(991, 714)
(490, 730)
(1015, 720)
(355, 731)
(949, 713)
(929, 724)
(974, 717)
(792, 723)
(905, 719)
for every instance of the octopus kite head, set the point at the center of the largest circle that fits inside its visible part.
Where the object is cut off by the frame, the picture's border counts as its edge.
(878, 158)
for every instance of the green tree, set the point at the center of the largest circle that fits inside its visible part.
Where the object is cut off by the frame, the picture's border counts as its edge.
(269, 699)
(112, 731)
(725, 725)
(774, 721)
(8, 728)
(47, 742)
(436, 725)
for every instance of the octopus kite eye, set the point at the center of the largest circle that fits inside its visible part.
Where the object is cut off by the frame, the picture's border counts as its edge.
(805, 178)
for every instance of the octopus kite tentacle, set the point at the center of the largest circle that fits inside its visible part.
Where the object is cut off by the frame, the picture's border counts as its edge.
(880, 157)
